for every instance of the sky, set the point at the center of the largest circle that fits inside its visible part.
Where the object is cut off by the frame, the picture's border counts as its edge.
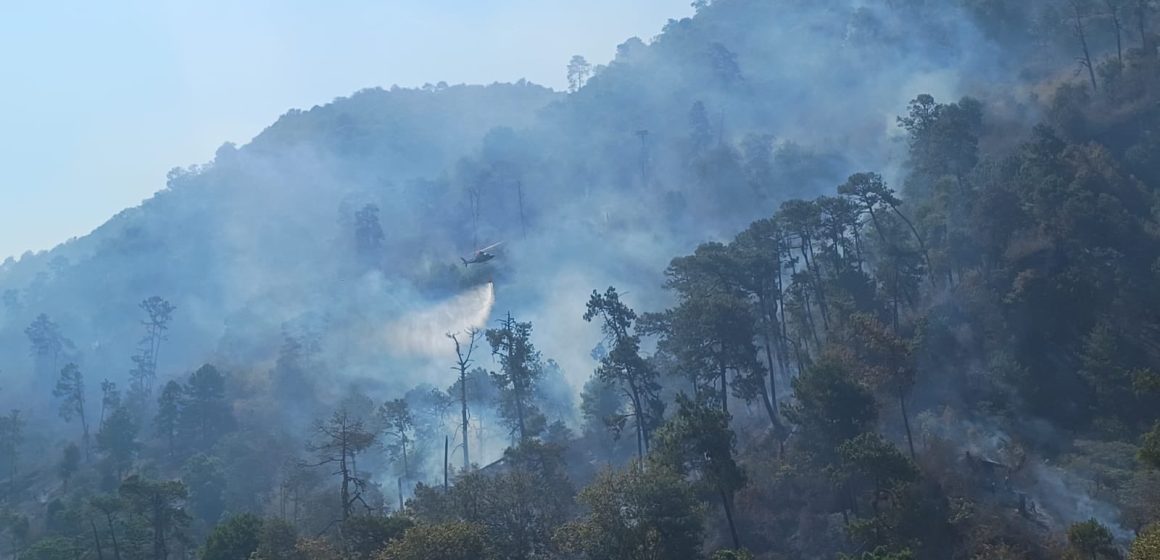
(101, 99)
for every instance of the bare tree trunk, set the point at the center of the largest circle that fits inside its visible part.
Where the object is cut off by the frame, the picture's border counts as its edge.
(84, 428)
(1142, 24)
(523, 219)
(771, 398)
(806, 250)
(807, 307)
(97, 540)
(520, 414)
(894, 297)
(857, 245)
(297, 502)
(770, 407)
(796, 346)
(463, 420)
(156, 352)
(160, 550)
(726, 501)
(921, 243)
(406, 466)
(906, 422)
(638, 415)
(640, 438)
(113, 536)
(345, 481)
(874, 220)
(463, 361)
(1114, 12)
(779, 312)
(1082, 35)
(724, 373)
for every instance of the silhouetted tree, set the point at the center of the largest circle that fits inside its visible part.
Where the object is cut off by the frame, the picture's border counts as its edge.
(398, 425)
(236, 538)
(49, 346)
(160, 505)
(110, 400)
(11, 439)
(520, 370)
(886, 363)
(1092, 539)
(205, 414)
(830, 406)
(70, 463)
(158, 313)
(578, 72)
(1079, 15)
(168, 418)
(1150, 448)
(698, 442)
(338, 441)
(624, 365)
(636, 515)
(205, 478)
(70, 388)
(368, 234)
(118, 440)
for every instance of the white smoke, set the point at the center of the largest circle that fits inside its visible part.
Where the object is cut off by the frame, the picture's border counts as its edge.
(424, 333)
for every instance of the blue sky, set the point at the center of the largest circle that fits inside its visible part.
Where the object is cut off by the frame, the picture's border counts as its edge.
(100, 99)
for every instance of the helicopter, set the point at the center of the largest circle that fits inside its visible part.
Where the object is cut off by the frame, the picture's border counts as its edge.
(481, 256)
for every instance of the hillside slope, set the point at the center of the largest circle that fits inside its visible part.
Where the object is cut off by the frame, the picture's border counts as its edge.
(266, 231)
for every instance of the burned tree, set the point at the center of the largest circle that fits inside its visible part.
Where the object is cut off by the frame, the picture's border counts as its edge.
(462, 363)
(339, 440)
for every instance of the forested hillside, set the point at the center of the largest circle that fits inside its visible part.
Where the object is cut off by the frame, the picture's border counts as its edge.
(857, 279)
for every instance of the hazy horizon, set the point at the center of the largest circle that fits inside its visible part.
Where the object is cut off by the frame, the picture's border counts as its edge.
(172, 86)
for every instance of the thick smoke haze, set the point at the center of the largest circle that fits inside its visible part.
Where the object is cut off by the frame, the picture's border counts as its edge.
(264, 235)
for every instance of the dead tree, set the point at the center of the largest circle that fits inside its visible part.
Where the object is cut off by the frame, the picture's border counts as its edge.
(1143, 7)
(340, 439)
(462, 362)
(1114, 15)
(108, 507)
(1081, 34)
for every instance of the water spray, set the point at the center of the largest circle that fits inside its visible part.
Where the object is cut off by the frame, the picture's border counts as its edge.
(423, 333)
